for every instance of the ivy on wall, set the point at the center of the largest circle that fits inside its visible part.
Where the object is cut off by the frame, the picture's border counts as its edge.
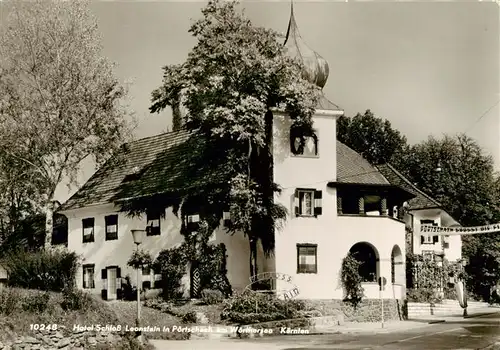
(351, 280)
(210, 259)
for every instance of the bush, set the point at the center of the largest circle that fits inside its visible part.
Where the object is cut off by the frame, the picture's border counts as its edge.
(172, 265)
(351, 280)
(251, 307)
(43, 270)
(189, 317)
(423, 295)
(36, 303)
(8, 301)
(211, 297)
(75, 300)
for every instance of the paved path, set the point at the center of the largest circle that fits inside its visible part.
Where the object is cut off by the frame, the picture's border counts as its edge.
(482, 332)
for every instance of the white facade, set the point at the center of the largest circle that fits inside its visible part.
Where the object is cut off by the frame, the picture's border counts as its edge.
(109, 254)
(332, 234)
(450, 247)
(328, 235)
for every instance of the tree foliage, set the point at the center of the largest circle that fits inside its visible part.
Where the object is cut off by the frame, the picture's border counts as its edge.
(372, 137)
(59, 99)
(232, 80)
(467, 187)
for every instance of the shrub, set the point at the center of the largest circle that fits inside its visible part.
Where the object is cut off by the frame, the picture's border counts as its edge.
(172, 265)
(212, 297)
(46, 270)
(423, 295)
(75, 300)
(351, 280)
(8, 301)
(189, 317)
(251, 307)
(36, 303)
(129, 292)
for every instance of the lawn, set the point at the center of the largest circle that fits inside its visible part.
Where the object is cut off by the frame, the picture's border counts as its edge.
(126, 311)
(21, 308)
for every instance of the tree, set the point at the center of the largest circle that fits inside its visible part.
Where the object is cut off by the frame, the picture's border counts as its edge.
(233, 78)
(59, 100)
(372, 137)
(467, 187)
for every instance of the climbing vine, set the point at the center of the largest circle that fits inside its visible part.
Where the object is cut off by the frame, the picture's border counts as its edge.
(351, 280)
(210, 259)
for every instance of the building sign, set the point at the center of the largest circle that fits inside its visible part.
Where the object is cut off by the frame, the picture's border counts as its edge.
(291, 290)
(451, 231)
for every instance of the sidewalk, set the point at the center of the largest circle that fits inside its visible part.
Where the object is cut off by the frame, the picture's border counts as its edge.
(458, 317)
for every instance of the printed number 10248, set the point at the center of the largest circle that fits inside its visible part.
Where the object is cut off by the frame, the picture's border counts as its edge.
(43, 327)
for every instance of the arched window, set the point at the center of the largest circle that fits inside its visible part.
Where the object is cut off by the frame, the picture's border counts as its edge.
(367, 256)
(303, 145)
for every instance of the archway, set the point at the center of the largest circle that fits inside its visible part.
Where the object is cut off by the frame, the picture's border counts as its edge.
(367, 255)
(397, 266)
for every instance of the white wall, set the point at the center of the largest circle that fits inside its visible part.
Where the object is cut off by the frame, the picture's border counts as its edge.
(104, 253)
(454, 252)
(333, 234)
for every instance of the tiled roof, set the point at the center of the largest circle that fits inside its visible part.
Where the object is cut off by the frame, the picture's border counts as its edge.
(158, 162)
(354, 169)
(421, 201)
(133, 157)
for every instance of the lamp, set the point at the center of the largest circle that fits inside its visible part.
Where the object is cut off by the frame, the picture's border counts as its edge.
(138, 236)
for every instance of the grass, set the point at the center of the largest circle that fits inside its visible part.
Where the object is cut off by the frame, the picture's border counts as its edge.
(16, 318)
(126, 312)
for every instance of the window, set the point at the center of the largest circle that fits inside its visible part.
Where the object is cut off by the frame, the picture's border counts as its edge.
(88, 276)
(425, 239)
(111, 223)
(307, 258)
(308, 202)
(88, 230)
(301, 145)
(146, 271)
(153, 225)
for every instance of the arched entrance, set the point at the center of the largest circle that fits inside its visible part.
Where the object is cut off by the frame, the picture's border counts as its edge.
(367, 255)
(397, 266)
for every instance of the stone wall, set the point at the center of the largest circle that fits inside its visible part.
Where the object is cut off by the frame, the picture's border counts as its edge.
(66, 340)
(368, 310)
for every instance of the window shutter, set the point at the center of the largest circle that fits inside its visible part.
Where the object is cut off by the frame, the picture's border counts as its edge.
(422, 239)
(296, 202)
(104, 294)
(104, 274)
(435, 239)
(118, 272)
(318, 209)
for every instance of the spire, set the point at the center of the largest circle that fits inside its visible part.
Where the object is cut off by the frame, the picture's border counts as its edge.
(316, 68)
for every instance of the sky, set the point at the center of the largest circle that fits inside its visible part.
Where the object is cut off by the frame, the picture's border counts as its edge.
(427, 67)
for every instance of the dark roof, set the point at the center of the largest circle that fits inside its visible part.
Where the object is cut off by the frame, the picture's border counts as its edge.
(352, 168)
(154, 165)
(133, 157)
(421, 200)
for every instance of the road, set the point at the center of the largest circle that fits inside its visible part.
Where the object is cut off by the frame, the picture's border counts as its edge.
(468, 334)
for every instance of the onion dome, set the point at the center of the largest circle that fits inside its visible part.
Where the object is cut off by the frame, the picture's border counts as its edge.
(315, 68)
